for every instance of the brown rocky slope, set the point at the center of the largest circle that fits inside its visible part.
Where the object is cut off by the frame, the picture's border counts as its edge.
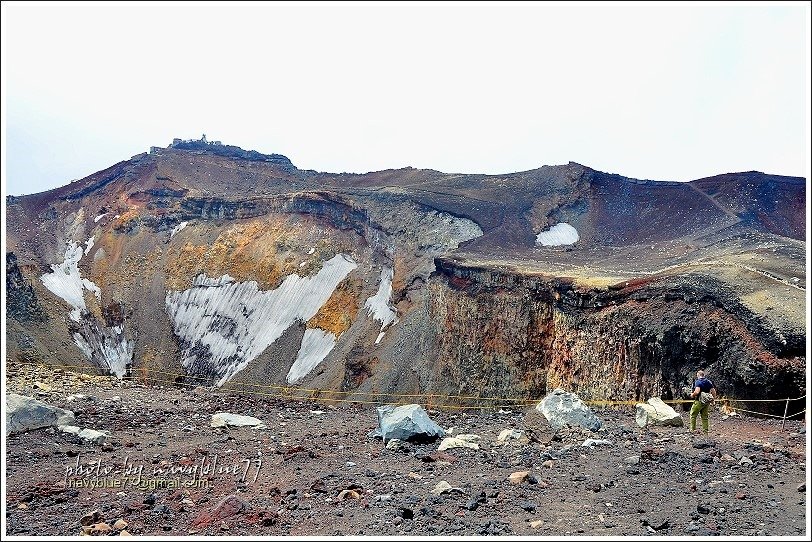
(189, 252)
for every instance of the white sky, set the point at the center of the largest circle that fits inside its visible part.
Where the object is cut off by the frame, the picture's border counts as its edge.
(666, 92)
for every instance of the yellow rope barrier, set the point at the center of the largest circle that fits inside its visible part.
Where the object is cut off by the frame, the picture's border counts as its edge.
(324, 395)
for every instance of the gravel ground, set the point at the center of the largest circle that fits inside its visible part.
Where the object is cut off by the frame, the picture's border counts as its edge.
(320, 474)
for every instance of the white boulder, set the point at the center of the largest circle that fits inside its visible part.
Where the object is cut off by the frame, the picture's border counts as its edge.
(226, 419)
(562, 408)
(656, 412)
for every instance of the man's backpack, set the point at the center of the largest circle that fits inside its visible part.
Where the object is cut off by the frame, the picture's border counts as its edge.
(705, 398)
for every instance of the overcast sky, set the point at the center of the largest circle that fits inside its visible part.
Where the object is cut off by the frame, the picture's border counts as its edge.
(654, 92)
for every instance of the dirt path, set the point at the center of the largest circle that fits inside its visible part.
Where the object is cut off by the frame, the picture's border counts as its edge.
(321, 475)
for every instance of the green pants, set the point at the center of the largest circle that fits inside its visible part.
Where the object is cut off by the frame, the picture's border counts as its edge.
(696, 409)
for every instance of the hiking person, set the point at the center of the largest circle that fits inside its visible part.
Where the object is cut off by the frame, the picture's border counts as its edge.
(703, 394)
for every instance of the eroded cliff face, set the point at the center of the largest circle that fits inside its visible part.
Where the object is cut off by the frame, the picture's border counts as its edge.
(504, 334)
(231, 268)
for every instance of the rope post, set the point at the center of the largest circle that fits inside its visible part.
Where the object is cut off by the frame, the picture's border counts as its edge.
(786, 407)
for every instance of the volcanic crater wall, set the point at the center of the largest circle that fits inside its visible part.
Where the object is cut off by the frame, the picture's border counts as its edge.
(503, 334)
(204, 266)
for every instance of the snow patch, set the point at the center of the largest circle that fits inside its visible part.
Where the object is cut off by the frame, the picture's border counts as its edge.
(560, 234)
(378, 305)
(177, 229)
(66, 282)
(316, 344)
(91, 287)
(107, 347)
(223, 324)
(89, 244)
(100, 217)
(83, 345)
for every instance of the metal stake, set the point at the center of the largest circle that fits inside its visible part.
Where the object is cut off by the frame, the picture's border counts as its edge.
(786, 407)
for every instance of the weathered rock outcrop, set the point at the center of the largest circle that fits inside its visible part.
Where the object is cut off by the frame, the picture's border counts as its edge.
(26, 414)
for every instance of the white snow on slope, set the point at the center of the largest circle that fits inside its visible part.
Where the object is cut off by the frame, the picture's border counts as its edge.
(316, 344)
(99, 217)
(113, 349)
(560, 234)
(225, 324)
(177, 229)
(89, 244)
(66, 282)
(378, 305)
(107, 347)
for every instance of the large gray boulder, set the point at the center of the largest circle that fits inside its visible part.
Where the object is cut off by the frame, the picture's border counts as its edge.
(656, 412)
(562, 408)
(26, 414)
(406, 422)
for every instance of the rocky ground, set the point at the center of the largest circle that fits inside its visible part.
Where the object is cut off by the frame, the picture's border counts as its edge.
(320, 474)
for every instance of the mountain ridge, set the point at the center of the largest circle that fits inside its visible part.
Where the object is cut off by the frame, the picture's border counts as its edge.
(648, 275)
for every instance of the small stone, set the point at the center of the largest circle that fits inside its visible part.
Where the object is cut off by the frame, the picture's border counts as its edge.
(727, 458)
(398, 520)
(100, 528)
(549, 464)
(460, 441)
(632, 460)
(127, 533)
(226, 419)
(93, 517)
(527, 506)
(348, 494)
(120, 525)
(518, 477)
(509, 434)
(42, 386)
(537, 523)
(227, 507)
(802, 488)
(745, 461)
(96, 437)
(741, 495)
(591, 442)
(441, 487)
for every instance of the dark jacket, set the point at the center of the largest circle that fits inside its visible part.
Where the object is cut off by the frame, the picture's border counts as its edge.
(704, 385)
